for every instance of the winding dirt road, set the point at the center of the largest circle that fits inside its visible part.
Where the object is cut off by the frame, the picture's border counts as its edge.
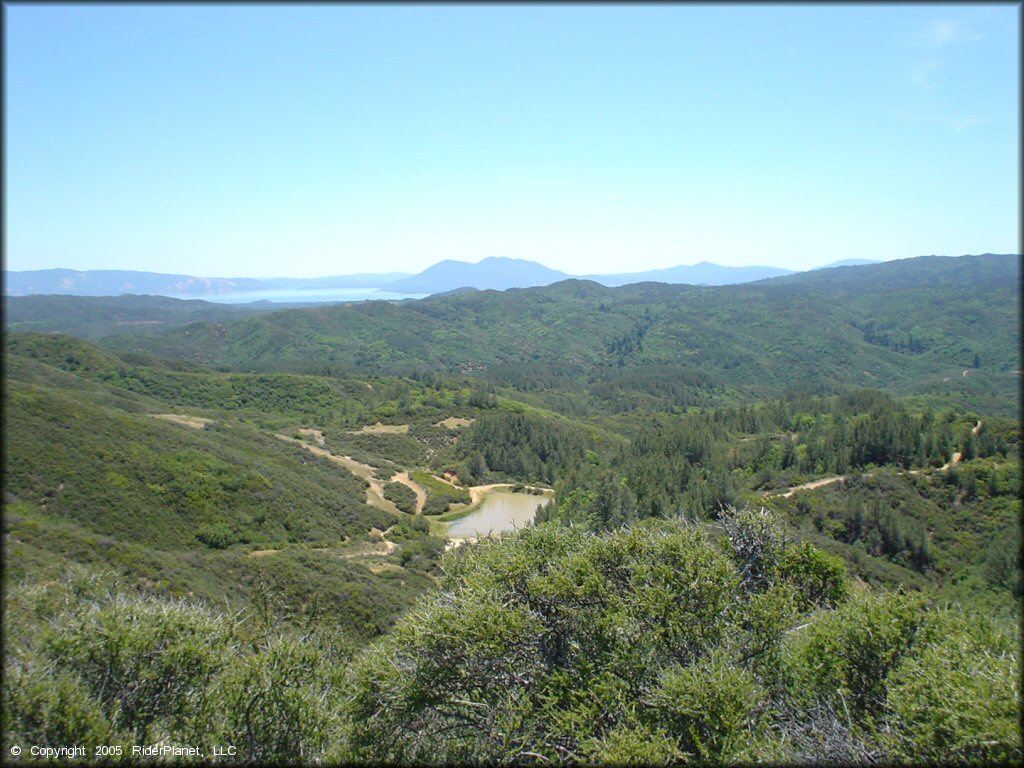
(956, 458)
(421, 494)
(807, 486)
(375, 492)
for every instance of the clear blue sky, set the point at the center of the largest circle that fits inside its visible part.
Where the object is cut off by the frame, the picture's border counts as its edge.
(247, 140)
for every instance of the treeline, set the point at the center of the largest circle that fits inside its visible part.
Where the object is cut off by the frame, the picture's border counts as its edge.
(697, 464)
(522, 446)
(701, 461)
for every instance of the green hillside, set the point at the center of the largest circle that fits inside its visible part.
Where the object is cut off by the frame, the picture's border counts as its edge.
(910, 326)
(91, 317)
(204, 502)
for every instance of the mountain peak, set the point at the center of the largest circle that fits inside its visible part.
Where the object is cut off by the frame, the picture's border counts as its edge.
(494, 272)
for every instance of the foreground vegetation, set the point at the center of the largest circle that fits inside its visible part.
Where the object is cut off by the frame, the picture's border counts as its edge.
(649, 644)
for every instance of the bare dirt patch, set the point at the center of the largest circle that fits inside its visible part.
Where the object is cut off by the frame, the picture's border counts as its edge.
(196, 422)
(382, 429)
(316, 434)
(263, 552)
(371, 549)
(454, 422)
(384, 568)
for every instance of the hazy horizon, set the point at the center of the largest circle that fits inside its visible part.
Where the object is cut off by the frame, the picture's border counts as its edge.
(312, 141)
(478, 261)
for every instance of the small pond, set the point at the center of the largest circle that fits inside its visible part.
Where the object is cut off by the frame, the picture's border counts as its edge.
(499, 511)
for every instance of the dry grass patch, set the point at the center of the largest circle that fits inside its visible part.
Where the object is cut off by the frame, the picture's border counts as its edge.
(382, 429)
(454, 422)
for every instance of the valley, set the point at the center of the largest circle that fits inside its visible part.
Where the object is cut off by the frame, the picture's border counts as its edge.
(327, 478)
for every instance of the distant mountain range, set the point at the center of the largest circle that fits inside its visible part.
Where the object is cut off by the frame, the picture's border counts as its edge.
(704, 273)
(496, 273)
(114, 282)
(848, 263)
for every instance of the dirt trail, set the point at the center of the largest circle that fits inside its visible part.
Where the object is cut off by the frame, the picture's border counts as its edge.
(447, 480)
(452, 543)
(378, 549)
(956, 458)
(316, 434)
(477, 492)
(374, 494)
(421, 494)
(370, 549)
(807, 486)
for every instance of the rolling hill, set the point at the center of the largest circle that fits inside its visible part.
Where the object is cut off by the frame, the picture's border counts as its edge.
(910, 326)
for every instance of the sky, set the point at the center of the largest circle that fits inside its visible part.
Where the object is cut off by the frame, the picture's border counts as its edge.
(312, 140)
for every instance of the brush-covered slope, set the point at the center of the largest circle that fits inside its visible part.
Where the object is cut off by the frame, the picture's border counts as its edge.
(92, 317)
(906, 326)
(207, 502)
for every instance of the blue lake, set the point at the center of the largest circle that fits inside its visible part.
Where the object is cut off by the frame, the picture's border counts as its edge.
(306, 296)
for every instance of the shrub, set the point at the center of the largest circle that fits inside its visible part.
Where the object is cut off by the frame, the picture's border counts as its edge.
(50, 708)
(948, 702)
(216, 535)
(712, 707)
(542, 643)
(843, 657)
(143, 659)
(820, 578)
(402, 496)
(275, 704)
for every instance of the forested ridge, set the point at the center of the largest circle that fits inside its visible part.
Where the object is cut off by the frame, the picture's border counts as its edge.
(784, 525)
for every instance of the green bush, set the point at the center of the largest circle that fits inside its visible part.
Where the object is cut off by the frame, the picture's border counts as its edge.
(633, 746)
(143, 660)
(276, 704)
(844, 657)
(50, 708)
(713, 708)
(216, 535)
(949, 702)
(541, 644)
(820, 578)
(402, 496)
